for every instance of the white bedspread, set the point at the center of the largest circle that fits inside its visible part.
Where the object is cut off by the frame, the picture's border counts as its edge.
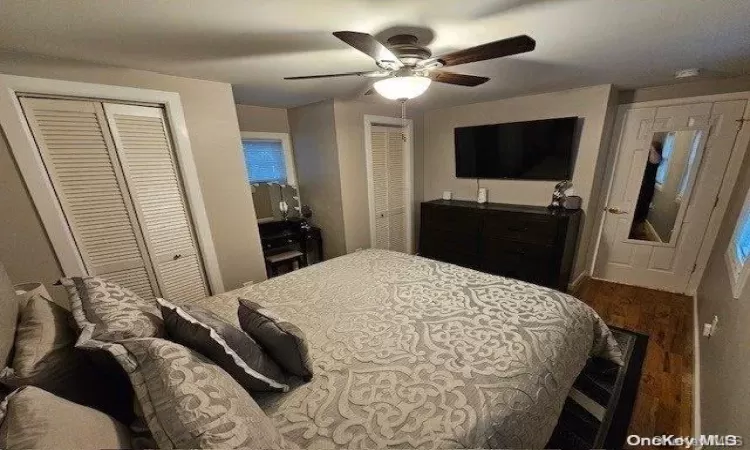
(410, 352)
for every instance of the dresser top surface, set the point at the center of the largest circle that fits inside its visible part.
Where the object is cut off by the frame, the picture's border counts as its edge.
(541, 210)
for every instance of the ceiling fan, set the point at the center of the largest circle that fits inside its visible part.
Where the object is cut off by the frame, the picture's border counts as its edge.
(407, 68)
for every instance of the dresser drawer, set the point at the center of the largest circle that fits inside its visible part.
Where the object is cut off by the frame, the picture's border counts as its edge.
(524, 261)
(454, 220)
(520, 227)
(442, 245)
(529, 243)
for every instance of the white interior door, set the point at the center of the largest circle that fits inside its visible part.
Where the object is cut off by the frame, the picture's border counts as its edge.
(80, 159)
(655, 243)
(390, 192)
(145, 151)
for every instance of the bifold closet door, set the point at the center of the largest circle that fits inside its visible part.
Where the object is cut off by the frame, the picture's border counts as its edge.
(144, 147)
(79, 156)
(389, 188)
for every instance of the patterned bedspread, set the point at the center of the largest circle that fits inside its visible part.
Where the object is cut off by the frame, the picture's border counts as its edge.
(411, 352)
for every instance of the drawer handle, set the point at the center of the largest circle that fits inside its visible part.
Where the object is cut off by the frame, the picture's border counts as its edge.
(516, 230)
(176, 257)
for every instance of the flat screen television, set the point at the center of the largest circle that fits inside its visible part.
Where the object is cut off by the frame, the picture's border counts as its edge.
(534, 150)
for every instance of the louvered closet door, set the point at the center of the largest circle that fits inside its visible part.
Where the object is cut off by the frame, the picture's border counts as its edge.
(145, 150)
(80, 159)
(389, 188)
(396, 191)
(379, 147)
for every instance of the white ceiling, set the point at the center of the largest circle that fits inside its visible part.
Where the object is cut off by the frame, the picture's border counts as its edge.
(253, 44)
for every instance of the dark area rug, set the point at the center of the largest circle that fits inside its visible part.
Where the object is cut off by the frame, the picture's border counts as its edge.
(598, 409)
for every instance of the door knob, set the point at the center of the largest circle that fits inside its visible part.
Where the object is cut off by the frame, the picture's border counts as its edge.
(615, 211)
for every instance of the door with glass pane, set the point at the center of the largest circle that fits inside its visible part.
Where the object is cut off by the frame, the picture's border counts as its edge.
(669, 167)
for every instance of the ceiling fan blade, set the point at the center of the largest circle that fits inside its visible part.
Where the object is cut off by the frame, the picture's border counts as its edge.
(370, 73)
(490, 50)
(457, 78)
(370, 46)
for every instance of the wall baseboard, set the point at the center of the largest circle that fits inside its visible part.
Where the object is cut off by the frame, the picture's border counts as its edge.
(576, 283)
(696, 372)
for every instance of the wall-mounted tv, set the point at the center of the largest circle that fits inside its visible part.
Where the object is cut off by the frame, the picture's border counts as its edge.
(534, 150)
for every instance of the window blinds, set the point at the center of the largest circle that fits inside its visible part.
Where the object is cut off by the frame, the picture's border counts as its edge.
(742, 241)
(264, 160)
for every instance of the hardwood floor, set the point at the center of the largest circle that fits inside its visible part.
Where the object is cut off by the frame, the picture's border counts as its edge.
(665, 397)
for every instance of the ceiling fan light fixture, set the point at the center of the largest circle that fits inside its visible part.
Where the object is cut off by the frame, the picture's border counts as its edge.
(402, 88)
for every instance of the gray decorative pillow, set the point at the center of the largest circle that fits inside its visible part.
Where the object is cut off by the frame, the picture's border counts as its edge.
(43, 353)
(283, 341)
(224, 344)
(45, 357)
(33, 418)
(107, 312)
(8, 318)
(189, 402)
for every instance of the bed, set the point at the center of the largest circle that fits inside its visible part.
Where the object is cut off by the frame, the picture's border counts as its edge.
(411, 352)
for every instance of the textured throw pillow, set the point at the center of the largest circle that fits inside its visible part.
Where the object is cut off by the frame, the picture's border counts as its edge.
(283, 341)
(8, 317)
(43, 352)
(224, 344)
(44, 356)
(189, 402)
(107, 312)
(33, 418)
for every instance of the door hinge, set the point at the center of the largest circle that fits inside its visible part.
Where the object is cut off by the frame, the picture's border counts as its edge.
(742, 122)
(716, 202)
(695, 267)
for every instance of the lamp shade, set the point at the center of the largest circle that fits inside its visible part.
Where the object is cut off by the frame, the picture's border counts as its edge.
(397, 88)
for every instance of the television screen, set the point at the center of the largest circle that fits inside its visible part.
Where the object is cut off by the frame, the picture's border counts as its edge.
(535, 150)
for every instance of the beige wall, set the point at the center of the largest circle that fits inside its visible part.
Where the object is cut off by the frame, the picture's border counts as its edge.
(25, 250)
(725, 357)
(595, 105)
(350, 138)
(215, 140)
(313, 133)
(262, 119)
(687, 89)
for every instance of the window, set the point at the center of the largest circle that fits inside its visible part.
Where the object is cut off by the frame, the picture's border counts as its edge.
(268, 158)
(264, 161)
(666, 155)
(738, 253)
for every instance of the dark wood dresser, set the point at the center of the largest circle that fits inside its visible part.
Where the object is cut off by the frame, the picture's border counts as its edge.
(530, 243)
